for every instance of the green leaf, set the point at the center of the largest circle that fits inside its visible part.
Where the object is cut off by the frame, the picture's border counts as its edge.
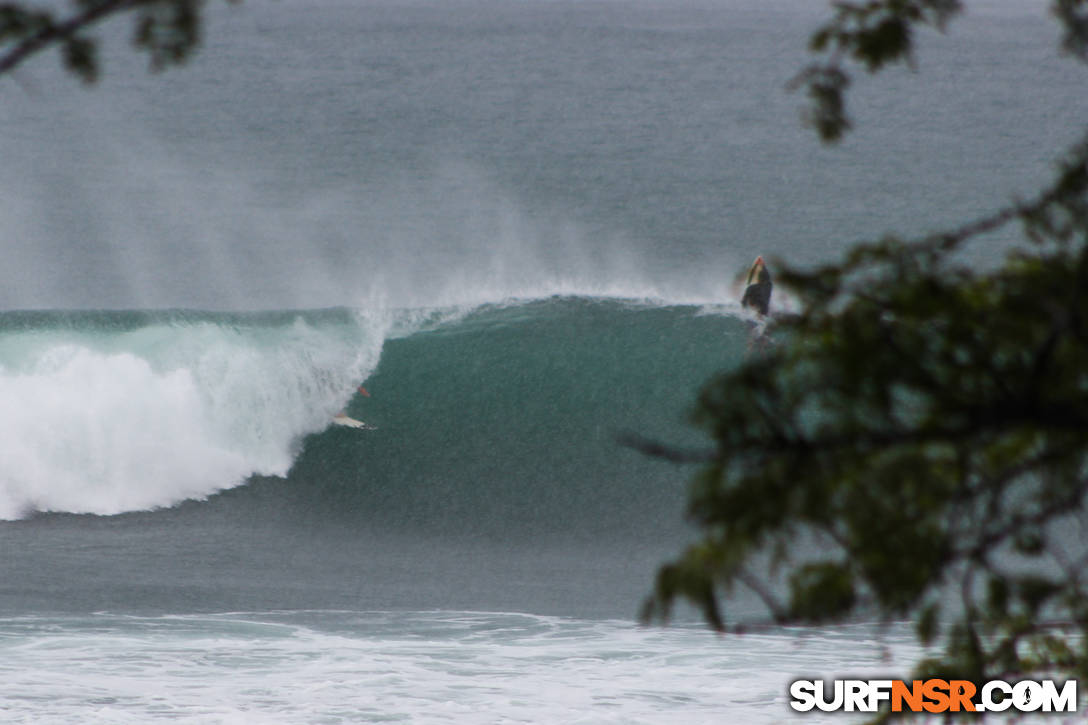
(81, 57)
(821, 592)
(928, 623)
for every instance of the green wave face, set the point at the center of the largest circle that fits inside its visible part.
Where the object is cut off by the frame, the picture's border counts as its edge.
(497, 420)
(508, 421)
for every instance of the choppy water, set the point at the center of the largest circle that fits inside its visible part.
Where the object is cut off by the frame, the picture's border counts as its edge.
(449, 667)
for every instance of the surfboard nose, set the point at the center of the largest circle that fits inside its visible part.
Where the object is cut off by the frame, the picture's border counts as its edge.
(756, 269)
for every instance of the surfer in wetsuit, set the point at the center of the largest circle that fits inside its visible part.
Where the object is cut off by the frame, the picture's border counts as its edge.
(757, 295)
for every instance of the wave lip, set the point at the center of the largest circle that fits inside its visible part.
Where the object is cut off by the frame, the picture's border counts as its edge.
(104, 418)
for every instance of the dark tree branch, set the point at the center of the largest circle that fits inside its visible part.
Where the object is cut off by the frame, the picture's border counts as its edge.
(656, 449)
(62, 31)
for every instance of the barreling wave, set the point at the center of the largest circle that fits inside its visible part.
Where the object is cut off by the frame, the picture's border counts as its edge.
(109, 412)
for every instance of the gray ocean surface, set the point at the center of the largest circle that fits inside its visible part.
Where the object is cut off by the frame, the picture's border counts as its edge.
(320, 153)
(520, 226)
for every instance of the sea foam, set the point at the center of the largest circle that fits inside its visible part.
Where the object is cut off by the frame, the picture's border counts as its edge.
(100, 420)
(420, 667)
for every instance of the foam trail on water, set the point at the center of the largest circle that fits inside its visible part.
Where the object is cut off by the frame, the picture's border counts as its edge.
(428, 667)
(103, 421)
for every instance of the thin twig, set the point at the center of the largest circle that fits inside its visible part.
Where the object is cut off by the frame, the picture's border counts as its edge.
(657, 449)
(57, 32)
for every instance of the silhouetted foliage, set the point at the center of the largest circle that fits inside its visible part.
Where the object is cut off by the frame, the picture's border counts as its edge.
(915, 443)
(167, 30)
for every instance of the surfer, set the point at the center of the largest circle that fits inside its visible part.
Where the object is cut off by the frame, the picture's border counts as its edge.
(757, 295)
(342, 418)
